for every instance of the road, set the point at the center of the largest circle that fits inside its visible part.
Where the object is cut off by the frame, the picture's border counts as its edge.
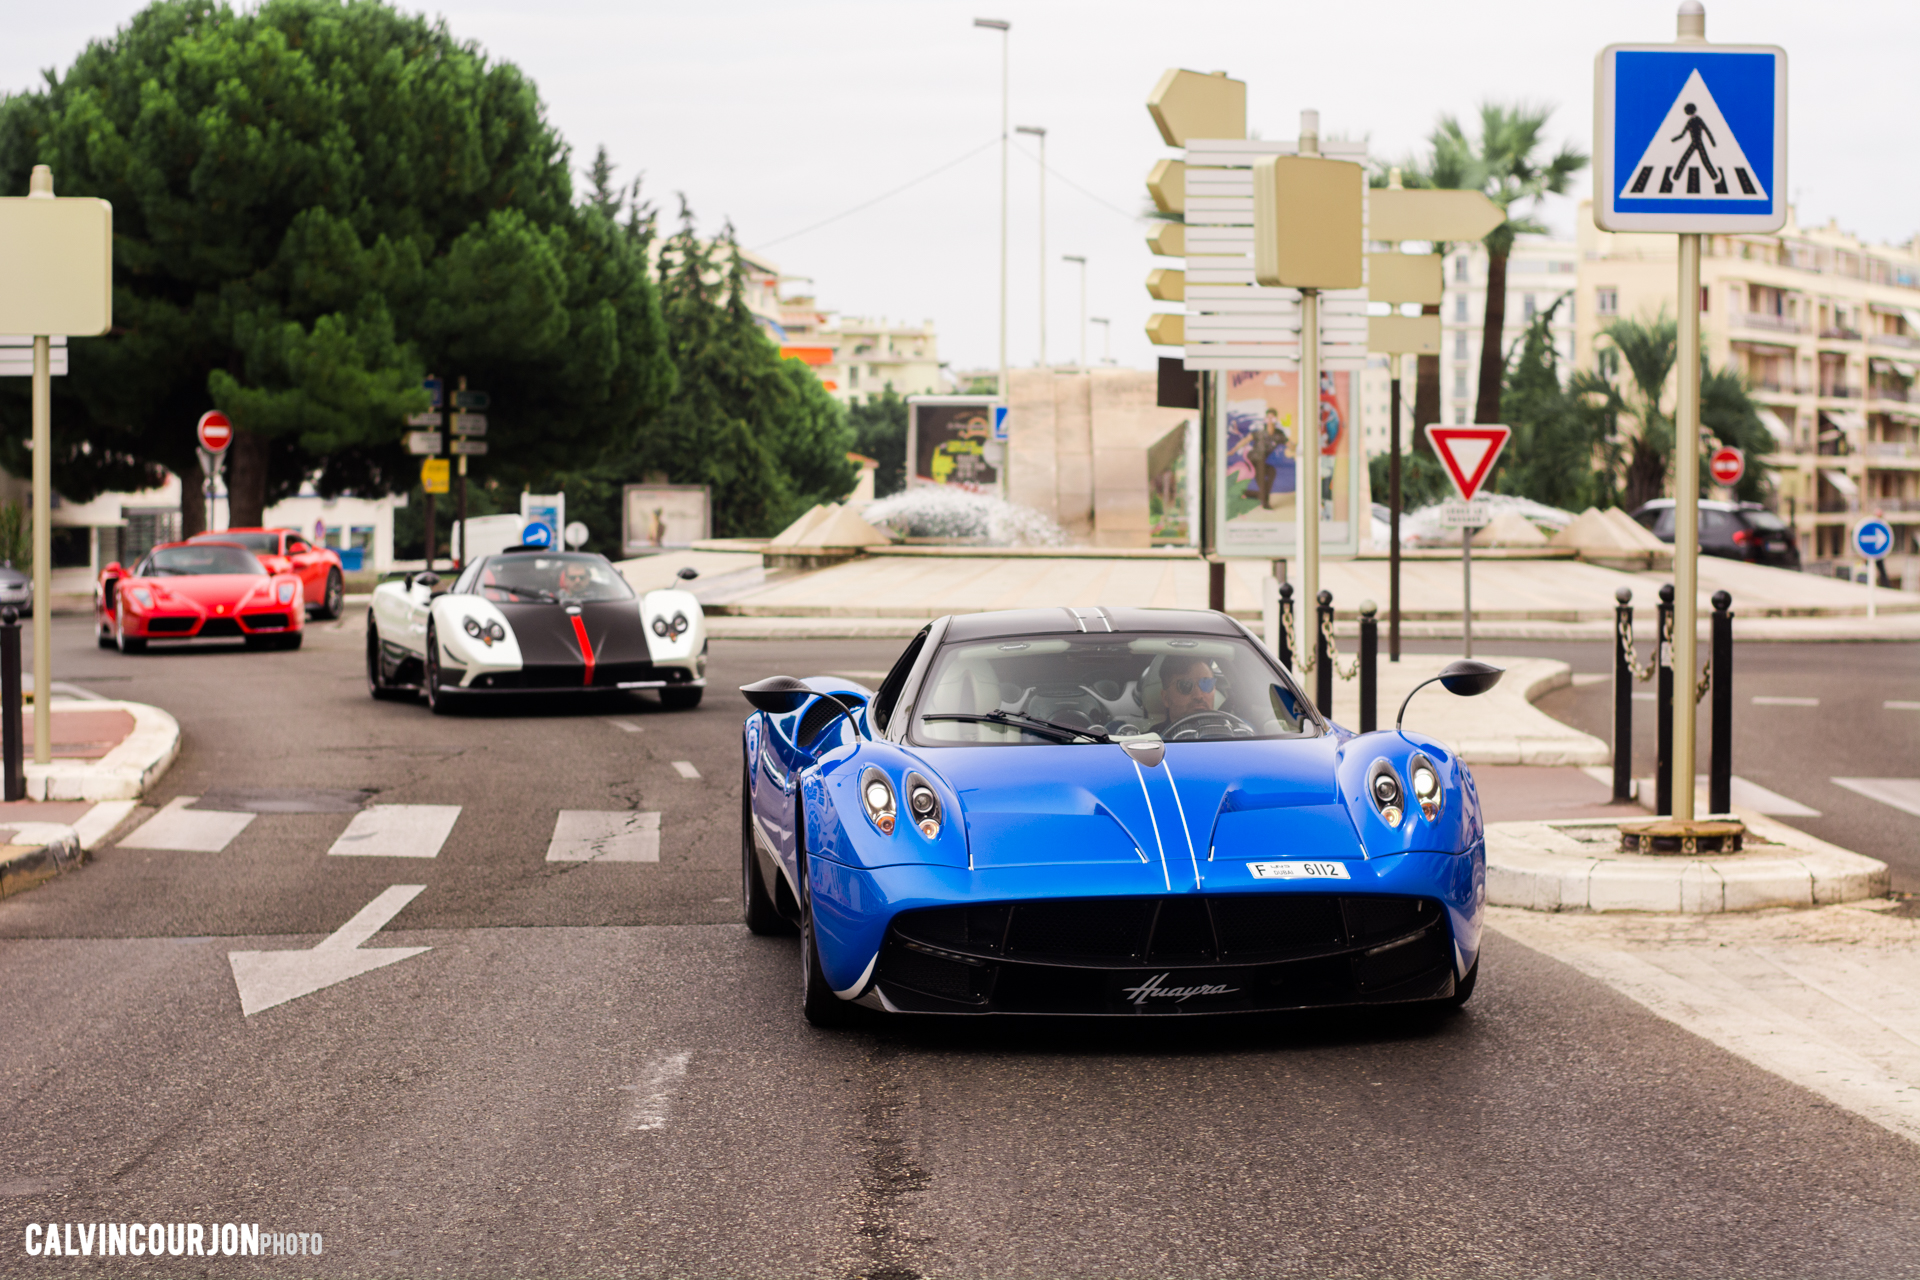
(595, 1070)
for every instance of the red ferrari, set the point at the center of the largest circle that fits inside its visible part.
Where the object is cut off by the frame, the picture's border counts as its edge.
(199, 591)
(285, 551)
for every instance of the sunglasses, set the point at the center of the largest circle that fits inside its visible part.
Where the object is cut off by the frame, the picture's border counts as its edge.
(1185, 685)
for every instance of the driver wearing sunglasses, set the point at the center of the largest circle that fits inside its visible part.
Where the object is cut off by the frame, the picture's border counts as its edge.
(1187, 687)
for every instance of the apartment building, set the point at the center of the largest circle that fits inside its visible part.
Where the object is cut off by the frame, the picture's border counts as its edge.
(1826, 328)
(1539, 271)
(857, 359)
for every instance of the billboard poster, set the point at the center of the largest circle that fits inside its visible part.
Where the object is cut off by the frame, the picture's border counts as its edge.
(948, 439)
(660, 517)
(1257, 463)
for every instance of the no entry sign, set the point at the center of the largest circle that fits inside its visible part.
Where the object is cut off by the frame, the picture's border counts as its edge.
(1727, 465)
(215, 431)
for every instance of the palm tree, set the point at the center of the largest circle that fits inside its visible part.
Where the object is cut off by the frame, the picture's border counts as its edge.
(1502, 164)
(1648, 349)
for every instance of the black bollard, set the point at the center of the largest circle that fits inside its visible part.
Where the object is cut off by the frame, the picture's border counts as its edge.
(1720, 770)
(1217, 585)
(1622, 697)
(1369, 655)
(1286, 616)
(1663, 727)
(1322, 660)
(11, 747)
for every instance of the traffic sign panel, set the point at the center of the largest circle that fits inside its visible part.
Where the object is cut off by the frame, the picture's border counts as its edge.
(1001, 415)
(427, 419)
(424, 441)
(469, 448)
(1873, 538)
(1465, 515)
(434, 475)
(469, 424)
(1690, 137)
(471, 399)
(1468, 453)
(215, 431)
(434, 387)
(1727, 465)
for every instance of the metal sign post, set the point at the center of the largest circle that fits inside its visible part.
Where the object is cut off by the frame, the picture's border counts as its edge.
(1690, 138)
(1872, 539)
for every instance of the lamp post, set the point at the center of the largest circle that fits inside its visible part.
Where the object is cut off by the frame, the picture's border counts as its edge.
(1041, 134)
(1106, 337)
(1074, 257)
(996, 24)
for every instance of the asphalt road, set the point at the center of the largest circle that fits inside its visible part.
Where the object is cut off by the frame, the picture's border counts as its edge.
(596, 1071)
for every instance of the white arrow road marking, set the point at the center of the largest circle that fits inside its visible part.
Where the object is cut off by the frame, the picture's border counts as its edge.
(183, 830)
(1901, 793)
(397, 831)
(593, 835)
(686, 770)
(653, 1096)
(268, 978)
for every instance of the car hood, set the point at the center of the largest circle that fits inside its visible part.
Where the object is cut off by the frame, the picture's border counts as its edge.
(1207, 802)
(547, 638)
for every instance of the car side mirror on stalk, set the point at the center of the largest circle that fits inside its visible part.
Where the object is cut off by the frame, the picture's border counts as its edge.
(425, 578)
(1463, 677)
(689, 573)
(778, 695)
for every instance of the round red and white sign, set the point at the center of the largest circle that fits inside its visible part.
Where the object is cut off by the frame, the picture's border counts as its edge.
(215, 431)
(1727, 464)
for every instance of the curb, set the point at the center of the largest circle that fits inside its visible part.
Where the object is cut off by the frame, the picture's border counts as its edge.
(125, 772)
(36, 852)
(1561, 866)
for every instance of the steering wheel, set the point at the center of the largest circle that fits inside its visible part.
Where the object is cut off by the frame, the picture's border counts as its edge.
(1199, 720)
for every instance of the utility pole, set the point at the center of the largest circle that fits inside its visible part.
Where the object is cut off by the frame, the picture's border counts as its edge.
(464, 553)
(996, 24)
(1041, 134)
(1106, 337)
(1072, 257)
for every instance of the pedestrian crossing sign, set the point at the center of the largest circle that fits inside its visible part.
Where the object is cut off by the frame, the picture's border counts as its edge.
(1690, 137)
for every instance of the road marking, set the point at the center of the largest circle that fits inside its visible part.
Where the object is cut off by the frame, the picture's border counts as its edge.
(1762, 701)
(1901, 793)
(1900, 706)
(1751, 795)
(653, 1095)
(685, 769)
(183, 830)
(267, 978)
(397, 831)
(625, 726)
(1644, 697)
(593, 835)
(881, 675)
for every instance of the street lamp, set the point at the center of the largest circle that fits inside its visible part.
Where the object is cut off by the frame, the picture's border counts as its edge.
(1041, 134)
(996, 24)
(1073, 257)
(1106, 337)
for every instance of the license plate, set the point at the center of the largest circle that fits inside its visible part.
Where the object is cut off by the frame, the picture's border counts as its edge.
(1299, 870)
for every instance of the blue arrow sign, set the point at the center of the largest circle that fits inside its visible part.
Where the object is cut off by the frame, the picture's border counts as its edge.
(1873, 538)
(537, 535)
(1000, 416)
(1690, 138)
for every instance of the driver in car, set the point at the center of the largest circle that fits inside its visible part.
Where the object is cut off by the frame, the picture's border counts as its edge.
(575, 578)
(1187, 687)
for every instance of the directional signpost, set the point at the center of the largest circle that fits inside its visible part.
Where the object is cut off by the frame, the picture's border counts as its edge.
(468, 422)
(1872, 539)
(1690, 138)
(1467, 454)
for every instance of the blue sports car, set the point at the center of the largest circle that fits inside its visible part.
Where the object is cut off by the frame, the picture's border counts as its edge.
(1107, 812)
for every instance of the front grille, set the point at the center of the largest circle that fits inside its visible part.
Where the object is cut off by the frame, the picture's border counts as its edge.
(219, 627)
(169, 626)
(1244, 952)
(556, 675)
(266, 621)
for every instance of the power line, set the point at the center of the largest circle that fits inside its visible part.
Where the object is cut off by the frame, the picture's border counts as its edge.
(1055, 173)
(867, 204)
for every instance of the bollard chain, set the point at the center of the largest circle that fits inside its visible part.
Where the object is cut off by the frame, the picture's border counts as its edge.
(1626, 648)
(1706, 677)
(1333, 650)
(1303, 660)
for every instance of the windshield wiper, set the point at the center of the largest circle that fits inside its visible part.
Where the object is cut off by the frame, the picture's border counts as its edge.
(534, 592)
(1031, 724)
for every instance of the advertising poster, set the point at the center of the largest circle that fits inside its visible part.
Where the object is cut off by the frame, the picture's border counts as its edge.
(660, 517)
(1258, 463)
(946, 440)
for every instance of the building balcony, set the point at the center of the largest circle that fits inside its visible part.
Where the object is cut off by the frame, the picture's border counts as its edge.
(1837, 333)
(1773, 387)
(1898, 394)
(1879, 449)
(1902, 340)
(1768, 323)
(1841, 393)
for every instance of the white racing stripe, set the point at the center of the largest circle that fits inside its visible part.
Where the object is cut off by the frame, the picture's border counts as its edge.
(179, 829)
(653, 1095)
(397, 831)
(593, 835)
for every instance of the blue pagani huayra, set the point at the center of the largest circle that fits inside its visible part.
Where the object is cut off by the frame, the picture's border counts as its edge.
(1103, 811)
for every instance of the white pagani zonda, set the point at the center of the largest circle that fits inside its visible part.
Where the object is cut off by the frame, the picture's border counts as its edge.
(530, 620)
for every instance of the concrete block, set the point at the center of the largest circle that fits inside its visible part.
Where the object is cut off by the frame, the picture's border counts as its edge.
(1775, 882)
(1633, 886)
(1702, 891)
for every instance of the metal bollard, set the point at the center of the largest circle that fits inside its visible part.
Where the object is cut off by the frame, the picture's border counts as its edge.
(1663, 730)
(1286, 629)
(1369, 655)
(12, 748)
(1622, 697)
(1217, 585)
(1322, 660)
(1720, 766)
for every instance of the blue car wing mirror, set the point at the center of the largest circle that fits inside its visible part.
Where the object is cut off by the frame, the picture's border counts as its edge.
(1463, 677)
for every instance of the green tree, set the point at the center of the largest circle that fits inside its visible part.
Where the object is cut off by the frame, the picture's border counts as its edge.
(315, 204)
(759, 429)
(880, 432)
(1560, 445)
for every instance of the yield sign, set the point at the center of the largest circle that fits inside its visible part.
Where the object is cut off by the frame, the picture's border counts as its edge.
(1468, 453)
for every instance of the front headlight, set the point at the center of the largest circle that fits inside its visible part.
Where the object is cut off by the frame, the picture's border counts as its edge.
(473, 628)
(661, 627)
(495, 631)
(876, 797)
(1426, 786)
(286, 593)
(142, 597)
(680, 624)
(924, 804)
(1383, 786)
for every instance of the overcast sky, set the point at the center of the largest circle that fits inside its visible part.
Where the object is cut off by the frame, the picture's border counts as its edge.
(779, 116)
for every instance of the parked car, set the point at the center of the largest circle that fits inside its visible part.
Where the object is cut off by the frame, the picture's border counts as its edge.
(16, 589)
(200, 590)
(322, 577)
(534, 620)
(1117, 812)
(1736, 530)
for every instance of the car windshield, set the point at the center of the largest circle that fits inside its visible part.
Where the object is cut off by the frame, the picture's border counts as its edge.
(202, 558)
(266, 544)
(1184, 687)
(1766, 520)
(559, 577)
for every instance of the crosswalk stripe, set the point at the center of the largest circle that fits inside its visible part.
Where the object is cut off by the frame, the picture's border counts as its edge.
(1766, 701)
(1901, 793)
(397, 831)
(685, 769)
(593, 835)
(625, 726)
(179, 829)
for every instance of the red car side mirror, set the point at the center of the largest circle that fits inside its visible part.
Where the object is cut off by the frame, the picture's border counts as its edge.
(113, 571)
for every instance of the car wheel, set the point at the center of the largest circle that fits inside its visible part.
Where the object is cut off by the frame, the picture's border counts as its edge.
(104, 636)
(681, 699)
(376, 679)
(1463, 989)
(335, 596)
(439, 701)
(756, 904)
(124, 642)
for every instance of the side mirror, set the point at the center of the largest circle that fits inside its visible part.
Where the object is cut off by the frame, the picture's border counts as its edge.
(776, 695)
(113, 570)
(689, 573)
(1463, 676)
(426, 578)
